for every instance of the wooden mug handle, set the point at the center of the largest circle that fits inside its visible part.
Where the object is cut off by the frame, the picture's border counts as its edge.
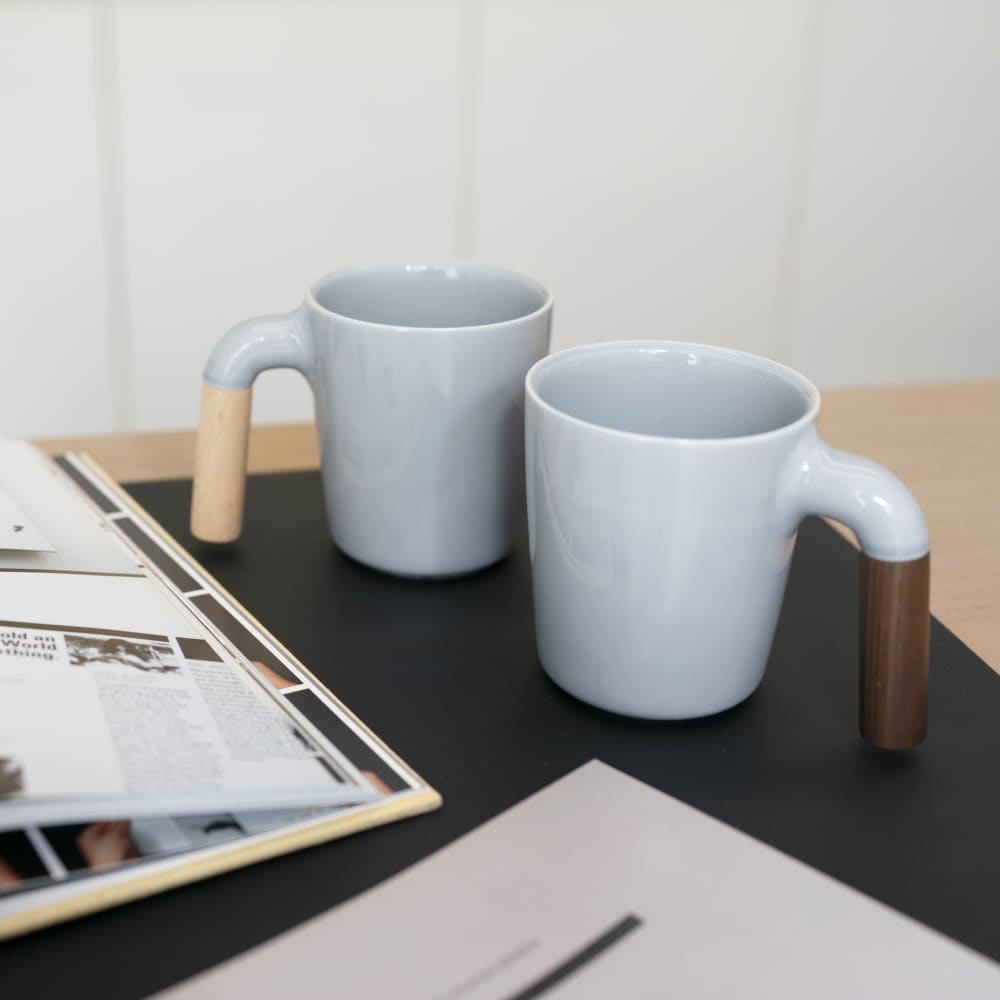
(220, 464)
(895, 581)
(895, 651)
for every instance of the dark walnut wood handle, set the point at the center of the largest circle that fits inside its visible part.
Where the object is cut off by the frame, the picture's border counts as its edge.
(895, 651)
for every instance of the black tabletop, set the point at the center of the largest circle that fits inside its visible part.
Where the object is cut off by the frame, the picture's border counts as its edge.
(447, 674)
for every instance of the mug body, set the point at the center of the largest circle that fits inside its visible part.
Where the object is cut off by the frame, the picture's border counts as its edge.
(659, 542)
(418, 377)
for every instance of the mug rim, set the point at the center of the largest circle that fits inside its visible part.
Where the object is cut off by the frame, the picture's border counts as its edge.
(434, 264)
(788, 375)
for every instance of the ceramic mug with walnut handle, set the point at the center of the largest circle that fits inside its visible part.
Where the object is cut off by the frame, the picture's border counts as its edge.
(417, 371)
(666, 482)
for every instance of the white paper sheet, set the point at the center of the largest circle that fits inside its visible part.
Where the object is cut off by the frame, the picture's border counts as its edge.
(66, 536)
(17, 532)
(599, 887)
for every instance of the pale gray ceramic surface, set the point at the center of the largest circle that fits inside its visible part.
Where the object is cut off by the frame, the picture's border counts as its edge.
(665, 486)
(418, 376)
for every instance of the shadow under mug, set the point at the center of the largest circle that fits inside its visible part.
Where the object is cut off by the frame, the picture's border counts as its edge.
(417, 371)
(665, 483)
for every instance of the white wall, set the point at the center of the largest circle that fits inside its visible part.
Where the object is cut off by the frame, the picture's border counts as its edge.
(808, 179)
(55, 343)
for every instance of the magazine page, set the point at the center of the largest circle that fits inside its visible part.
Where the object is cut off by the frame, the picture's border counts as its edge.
(114, 696)
(62, 869)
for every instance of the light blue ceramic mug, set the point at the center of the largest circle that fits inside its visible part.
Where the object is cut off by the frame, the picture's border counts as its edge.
(665, 483)
(418, 376)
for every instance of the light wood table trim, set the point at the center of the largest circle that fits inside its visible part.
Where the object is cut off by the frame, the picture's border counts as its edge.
(942, 440)
(140, 458)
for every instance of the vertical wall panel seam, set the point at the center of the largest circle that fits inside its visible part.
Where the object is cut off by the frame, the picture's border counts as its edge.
(109, 151)
(787, 334)
(465, 238)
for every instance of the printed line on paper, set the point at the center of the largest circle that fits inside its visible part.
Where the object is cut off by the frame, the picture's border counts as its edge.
(586, 954)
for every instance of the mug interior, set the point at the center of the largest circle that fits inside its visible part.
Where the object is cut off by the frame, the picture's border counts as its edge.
(673, 391)
(431, 295)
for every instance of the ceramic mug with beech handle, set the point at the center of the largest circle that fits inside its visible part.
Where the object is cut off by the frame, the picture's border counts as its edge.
(666, 482)
(417, 371)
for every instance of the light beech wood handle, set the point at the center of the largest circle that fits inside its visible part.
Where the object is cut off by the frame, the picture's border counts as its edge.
(220, 464)
(895, 651)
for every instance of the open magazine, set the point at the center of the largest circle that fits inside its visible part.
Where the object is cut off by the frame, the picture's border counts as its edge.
(151, 731)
